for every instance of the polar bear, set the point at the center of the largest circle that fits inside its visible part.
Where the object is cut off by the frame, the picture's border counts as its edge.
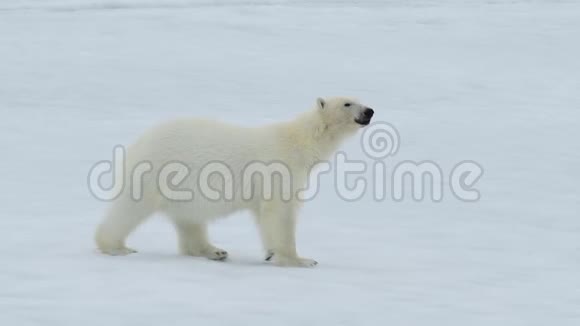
(189, 146)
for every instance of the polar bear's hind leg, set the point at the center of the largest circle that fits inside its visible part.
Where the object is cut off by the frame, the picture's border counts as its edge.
(193, 240)
(123, 217)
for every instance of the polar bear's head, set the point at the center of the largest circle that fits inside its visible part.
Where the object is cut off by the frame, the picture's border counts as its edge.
(344, 113)
(323, 128)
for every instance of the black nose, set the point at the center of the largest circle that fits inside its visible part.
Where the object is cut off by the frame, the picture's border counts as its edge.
(368, 112)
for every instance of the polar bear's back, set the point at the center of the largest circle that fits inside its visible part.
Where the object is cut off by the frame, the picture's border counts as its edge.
(197, 141)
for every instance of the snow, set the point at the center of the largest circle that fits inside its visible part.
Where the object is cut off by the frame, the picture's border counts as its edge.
(491, 81)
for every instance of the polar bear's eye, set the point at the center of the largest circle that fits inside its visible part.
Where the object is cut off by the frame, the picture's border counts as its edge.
(346, 104)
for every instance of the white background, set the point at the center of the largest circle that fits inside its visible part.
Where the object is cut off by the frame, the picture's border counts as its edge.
(492, 81)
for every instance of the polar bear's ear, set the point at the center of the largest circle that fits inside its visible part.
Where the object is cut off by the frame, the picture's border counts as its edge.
(320, 102)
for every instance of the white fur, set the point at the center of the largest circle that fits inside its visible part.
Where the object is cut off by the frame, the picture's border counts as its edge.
(300, 144)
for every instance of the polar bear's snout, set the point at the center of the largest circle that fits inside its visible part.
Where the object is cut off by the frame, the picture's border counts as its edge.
(365, 116)
(368, 113)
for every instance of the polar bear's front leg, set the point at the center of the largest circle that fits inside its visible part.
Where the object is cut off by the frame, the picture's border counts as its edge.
(278, 227)
(193, 241)
(265, 235)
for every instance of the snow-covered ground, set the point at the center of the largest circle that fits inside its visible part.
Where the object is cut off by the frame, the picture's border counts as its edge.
(496, 82)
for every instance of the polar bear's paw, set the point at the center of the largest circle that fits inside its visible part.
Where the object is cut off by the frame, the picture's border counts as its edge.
(294, 261)
(214, 253)
(123, 251)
